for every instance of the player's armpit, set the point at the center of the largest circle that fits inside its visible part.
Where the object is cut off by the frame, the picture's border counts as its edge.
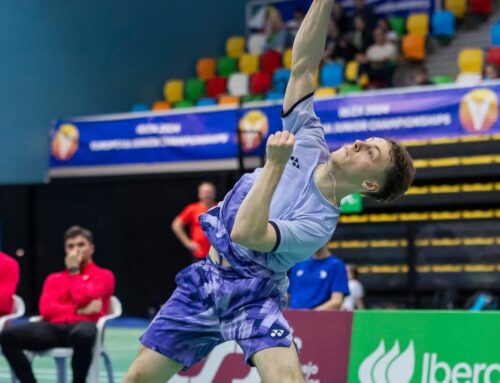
(265, 243)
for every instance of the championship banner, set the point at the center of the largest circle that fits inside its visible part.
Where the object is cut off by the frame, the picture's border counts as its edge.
(322, 337)
(425, 347)
(389, 8)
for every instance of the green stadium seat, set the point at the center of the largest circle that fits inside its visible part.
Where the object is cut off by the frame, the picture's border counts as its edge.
(195, 89)
(226, 66)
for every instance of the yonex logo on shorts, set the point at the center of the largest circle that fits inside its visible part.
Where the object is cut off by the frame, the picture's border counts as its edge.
(277, 331)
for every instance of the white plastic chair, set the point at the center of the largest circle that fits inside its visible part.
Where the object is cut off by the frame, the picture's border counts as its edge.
(239, 84)
(256, 43)
(468, 78)
(17, 312)
(60, 354)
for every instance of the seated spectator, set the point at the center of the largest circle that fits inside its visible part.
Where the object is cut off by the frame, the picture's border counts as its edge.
(361, 37)
(71, 303)
(421, 76)
(342, 50)
(320, 283)
(340, 19)
(379, 62)
(383, 24)
(9, 278)
(491, 72)
(294, 24)
(365, 12)
(357, 292)
(275, 30)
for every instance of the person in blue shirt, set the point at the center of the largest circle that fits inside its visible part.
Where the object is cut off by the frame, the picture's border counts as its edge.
(319, 283)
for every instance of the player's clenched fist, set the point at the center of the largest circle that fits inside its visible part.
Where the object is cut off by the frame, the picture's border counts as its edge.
(280, 147)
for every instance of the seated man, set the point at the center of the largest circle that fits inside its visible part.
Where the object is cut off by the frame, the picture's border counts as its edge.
(319, 283)
(71, 303)
(9, 278)
(380, 60)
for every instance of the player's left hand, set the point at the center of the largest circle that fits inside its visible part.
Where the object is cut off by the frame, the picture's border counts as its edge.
(280, 147)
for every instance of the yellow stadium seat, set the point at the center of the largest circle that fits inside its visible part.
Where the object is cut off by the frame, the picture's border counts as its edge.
(174, 91)
(363, 79)
(161, 105)
(287, 58)
(325, 92)
(249, 63)
(418, 24)
(235, 46)
(470, 60)
(205, 68)
(413, 47)
(229, 100)
(351, 71)
(458, 7)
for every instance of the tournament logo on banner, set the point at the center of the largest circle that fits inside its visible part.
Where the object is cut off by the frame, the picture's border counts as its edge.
(253, 128)
(65, 142)
(479, 110)
(425, 347)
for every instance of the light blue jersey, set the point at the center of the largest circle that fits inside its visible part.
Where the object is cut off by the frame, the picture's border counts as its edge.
(304, 220)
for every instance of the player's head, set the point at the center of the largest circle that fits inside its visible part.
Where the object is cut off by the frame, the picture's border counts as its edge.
(207, 193)
(379, 168)
(81, 239)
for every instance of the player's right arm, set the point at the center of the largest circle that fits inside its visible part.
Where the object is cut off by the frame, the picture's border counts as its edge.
(308, 50)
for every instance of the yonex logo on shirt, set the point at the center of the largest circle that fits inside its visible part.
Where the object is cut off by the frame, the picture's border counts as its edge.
(295, 162)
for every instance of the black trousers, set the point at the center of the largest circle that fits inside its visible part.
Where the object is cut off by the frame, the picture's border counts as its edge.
(39, 336)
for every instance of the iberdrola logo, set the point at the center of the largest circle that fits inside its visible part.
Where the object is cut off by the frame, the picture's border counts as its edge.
(391, 366)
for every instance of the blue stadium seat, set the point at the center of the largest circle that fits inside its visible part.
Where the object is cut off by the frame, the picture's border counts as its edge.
(140, 108)
(332, 75)
(274, 95)
(443, 23)
(280, 80)
(206, 101)
(495, 34)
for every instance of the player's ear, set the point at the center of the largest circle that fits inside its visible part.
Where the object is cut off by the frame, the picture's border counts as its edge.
(370, 186)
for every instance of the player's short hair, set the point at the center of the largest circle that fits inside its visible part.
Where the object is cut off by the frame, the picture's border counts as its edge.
(75, 231)
(398, 176)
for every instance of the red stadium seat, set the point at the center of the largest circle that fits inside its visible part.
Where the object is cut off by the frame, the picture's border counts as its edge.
(493, 55)
(480, 7)
(216, 86)
(271, 61)
(261, 82)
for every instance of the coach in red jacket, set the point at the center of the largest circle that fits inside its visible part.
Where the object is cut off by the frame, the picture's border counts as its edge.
(71, 302)
(9, 278)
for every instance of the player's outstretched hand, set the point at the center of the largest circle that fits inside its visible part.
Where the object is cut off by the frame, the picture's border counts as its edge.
(280, 147)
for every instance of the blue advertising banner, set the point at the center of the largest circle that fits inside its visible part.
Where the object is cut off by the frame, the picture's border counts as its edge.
(388, 8)
(209, 140)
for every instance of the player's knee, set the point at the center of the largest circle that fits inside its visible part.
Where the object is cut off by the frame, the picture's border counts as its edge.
(135, 375)
(289, 375)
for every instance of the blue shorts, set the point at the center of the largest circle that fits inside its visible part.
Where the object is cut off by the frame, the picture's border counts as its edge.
(212, 305)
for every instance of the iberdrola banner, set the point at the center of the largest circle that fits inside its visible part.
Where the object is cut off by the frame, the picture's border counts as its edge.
(212, 139)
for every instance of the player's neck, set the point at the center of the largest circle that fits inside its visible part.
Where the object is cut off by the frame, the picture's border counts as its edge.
(332, 187)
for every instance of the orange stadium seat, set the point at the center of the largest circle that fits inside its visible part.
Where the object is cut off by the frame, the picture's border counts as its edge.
(413, 47)
(458, 7)
(270, 61)
(239, 84)
(249, 63)
(470, 60)
(229, 100)
(287, 58)
(418, 24)
(261, 83)
(205, 68)
(235, 46)
(174, 91)
(216, 86)
(161, 105)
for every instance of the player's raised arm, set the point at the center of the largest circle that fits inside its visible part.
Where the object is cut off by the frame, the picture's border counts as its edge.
(308, 50)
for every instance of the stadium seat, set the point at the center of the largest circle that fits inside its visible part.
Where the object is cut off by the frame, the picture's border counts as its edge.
(325, 92)
(256, 43)
(351, 71)
(443, 24)
(442, 79)
(287, 58)
(493, 56)
(413, 47)
(140, 108)
(274, 95)
(184, 104)
(226, 66)
(280, 80)
(174, 90)
(235, 46)
(350, 88)
(481, 7)
(206, 101)
(229, 100)
(495, 34)
(252, 98)
(205, 68)
(417, 24)
(332, 75)
(17, 311)
(216, 87)
(249, 63)
(238, 84)
(397, 24)
(470, 60)
(261, 83)
(195, 89)
(270, 61)
(161, 105)
(466, 78)
(458, 7)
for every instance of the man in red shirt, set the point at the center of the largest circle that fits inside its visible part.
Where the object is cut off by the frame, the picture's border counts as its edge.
(9, 278)
(71, 303)
(197, 243)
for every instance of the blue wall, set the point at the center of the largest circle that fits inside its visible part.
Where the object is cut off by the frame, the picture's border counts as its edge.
(67, 58)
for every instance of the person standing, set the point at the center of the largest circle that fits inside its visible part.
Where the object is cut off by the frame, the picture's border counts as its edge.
(196, 242)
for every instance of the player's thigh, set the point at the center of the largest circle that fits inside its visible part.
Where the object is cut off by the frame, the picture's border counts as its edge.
(278, 365)
(151, 367)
